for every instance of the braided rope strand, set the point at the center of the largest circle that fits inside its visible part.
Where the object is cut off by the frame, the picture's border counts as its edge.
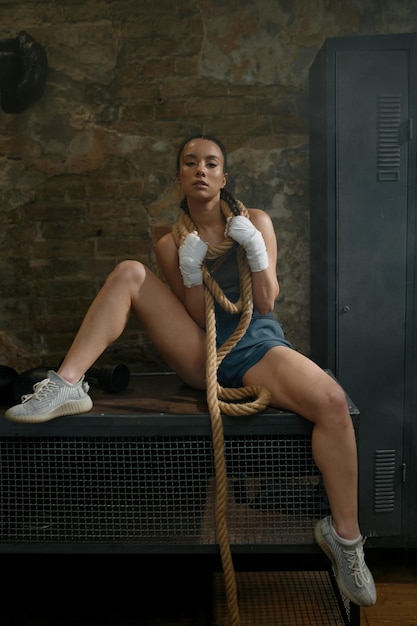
(225, 400)
(220, 471)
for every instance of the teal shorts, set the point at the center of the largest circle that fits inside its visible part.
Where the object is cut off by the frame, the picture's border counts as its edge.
(264, 332)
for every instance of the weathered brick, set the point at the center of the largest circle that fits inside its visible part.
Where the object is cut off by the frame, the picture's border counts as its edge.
(87, 172)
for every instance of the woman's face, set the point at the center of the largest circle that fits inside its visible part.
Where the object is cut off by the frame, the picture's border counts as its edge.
(201, 174)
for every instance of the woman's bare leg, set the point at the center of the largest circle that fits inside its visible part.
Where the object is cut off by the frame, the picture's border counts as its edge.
(132, 287)
(299, 385)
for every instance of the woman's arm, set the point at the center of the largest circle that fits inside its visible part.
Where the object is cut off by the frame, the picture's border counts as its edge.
(265, 283)
(192, 297)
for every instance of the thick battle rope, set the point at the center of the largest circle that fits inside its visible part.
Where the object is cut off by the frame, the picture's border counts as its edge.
(220, 399)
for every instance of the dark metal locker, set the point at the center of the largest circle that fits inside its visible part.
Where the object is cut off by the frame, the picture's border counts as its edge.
(363, 257)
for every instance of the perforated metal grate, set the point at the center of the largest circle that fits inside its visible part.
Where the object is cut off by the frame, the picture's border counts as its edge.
(290, 598)
(156, 490)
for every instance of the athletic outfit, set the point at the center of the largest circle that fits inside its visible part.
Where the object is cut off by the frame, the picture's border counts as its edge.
(263, 333)
(54, 397)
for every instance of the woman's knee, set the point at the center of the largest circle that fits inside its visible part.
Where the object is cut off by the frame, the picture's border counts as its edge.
(334, 404)
(129, 271)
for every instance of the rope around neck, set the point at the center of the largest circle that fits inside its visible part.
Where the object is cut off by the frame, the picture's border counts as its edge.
(220, 399)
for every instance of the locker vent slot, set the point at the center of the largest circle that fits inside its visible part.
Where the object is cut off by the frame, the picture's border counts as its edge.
(389, 119)
(384, 481)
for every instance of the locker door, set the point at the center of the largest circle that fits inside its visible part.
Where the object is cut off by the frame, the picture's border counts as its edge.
(371, 213)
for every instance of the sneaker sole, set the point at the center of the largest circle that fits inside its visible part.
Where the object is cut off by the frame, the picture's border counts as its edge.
(72, 407)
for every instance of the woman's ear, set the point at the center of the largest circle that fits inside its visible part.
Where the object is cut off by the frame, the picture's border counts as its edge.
(224, 180)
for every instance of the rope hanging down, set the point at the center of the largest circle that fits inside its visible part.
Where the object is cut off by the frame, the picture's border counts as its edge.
(219, 399)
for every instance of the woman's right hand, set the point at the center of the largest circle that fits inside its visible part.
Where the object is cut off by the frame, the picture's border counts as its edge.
(192, 253)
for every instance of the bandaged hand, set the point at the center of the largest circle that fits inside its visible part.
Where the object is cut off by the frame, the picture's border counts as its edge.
(241, 229)
(191, 255)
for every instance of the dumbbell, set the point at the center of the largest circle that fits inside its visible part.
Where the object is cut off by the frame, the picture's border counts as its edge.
(7, 377)
(112, 378)
(25, 381)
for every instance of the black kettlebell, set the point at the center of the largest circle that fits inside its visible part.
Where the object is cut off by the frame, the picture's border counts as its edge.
(25, 381)
(8, 376)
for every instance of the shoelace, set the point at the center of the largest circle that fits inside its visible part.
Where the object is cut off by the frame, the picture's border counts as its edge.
(40, 390)
(356, 561)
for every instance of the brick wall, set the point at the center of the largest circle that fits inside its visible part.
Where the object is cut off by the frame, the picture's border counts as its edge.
(87, 172)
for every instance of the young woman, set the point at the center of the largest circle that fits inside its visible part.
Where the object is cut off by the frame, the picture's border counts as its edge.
(174, 317)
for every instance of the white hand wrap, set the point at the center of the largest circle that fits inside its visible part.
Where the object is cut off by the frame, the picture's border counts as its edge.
(191, 255)
(242, 230)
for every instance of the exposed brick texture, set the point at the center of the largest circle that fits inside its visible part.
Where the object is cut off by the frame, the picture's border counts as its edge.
(87, 173)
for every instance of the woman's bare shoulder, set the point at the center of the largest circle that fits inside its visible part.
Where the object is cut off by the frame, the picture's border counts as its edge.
(258, 216)
(166, 242)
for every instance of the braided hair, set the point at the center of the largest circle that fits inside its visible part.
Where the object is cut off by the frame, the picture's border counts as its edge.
(224, 195)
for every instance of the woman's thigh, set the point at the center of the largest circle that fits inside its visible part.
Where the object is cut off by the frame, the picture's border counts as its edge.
(298, 384)
(179, 339)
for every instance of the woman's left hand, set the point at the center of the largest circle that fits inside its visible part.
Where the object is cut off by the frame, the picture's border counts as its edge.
(241, 229)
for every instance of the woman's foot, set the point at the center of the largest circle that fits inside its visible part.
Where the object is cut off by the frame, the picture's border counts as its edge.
(51, 397)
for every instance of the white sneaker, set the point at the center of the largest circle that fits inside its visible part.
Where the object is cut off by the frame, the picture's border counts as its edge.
(352, 574)
(51, 398)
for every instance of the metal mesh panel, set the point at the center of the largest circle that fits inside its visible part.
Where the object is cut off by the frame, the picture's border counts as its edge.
(288, 598)
(156, 490)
